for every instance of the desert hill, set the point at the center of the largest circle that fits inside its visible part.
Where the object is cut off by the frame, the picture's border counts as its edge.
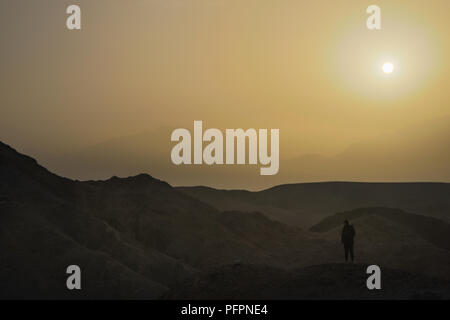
(394, 238)
(122, 228)
(305, 204)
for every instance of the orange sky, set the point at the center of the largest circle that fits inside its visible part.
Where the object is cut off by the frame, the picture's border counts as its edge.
(309, 68)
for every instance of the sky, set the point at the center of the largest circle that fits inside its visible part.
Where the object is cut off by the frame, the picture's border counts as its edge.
(309, 68)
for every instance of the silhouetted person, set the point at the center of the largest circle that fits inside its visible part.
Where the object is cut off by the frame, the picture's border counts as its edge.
(348, 233)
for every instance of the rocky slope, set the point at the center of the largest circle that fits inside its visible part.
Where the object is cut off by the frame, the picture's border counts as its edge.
(132, 237)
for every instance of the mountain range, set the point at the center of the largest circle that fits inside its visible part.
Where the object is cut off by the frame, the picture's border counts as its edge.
(304, 204)
(139, 237)
(417, 152)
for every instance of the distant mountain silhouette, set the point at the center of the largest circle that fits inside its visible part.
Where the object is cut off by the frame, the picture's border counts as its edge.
(138, 237)
(415, 153)
(305, 204)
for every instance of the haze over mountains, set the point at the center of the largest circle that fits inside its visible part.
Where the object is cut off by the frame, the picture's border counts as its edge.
(415, 153)
(91, 105)
(138, 237)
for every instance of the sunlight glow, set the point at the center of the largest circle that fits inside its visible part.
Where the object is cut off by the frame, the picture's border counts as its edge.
(388, 67)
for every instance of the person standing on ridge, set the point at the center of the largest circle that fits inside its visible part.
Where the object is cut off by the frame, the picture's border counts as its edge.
(348, 233)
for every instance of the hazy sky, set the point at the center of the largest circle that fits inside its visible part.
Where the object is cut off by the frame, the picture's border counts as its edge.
(310, 68)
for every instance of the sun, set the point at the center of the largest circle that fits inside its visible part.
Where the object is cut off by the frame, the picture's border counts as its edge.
(388, 67)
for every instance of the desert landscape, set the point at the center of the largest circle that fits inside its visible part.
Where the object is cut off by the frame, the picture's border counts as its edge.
(140, 238)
